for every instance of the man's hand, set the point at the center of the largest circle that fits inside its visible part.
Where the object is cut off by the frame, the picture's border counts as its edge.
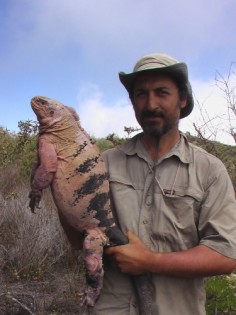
(132, 258)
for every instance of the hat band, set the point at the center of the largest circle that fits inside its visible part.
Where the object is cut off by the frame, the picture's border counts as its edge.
(149, 65)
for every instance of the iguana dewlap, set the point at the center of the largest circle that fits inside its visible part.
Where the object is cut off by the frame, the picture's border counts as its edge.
(71, 164)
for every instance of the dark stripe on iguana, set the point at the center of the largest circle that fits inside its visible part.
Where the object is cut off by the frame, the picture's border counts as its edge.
(98, 202)
(90, 186)
(88, 165)
(80, 149)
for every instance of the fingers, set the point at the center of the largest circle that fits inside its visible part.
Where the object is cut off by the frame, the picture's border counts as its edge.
(130, 258)
(111, 250)
(132, 237)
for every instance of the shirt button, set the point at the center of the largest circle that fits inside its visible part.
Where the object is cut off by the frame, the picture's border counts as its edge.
(149, 200)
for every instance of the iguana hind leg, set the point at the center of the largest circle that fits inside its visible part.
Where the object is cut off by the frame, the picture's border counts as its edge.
(94, 242)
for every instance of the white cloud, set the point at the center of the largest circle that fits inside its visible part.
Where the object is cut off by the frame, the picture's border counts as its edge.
(211, 111)
(100, 119)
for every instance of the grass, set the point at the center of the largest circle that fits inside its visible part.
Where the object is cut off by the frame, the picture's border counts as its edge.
(38, 269)
(29, 243)
(221, 295)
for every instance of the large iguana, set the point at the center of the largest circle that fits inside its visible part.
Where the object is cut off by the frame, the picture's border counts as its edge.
(71, 164)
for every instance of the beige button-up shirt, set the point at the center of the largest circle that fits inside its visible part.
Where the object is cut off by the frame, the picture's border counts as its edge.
(183, 200)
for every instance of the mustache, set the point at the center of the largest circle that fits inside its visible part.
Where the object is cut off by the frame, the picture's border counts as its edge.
(152, 113)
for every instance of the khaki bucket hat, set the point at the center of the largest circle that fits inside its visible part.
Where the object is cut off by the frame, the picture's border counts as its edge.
(163, 64)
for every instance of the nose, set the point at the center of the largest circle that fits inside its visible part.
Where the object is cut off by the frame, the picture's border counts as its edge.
(152, 101)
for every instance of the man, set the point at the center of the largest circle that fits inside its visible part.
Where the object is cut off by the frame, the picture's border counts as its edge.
(175, 200)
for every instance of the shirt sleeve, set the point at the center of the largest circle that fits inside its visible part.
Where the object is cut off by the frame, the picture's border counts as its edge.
(217, 220)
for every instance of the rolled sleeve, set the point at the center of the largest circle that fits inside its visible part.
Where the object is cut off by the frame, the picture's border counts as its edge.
(217, 220)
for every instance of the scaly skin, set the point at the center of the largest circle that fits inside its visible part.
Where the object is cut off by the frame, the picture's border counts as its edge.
(72, 166)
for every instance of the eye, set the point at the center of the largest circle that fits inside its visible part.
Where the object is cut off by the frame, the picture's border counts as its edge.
(162, 92)
(139, 93)
(51, 112)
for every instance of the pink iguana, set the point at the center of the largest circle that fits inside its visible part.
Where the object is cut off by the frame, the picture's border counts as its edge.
(71, 164)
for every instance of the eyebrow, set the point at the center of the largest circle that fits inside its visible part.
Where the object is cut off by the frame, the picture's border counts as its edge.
(156, 88)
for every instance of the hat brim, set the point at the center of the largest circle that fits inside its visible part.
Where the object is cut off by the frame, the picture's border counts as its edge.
(177, 71)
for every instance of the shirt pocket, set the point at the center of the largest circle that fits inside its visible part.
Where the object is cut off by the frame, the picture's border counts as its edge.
(126, 201)
(182, 199)
(175, 218)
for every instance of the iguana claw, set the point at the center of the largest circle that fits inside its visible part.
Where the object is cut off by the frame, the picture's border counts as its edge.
(35, 197)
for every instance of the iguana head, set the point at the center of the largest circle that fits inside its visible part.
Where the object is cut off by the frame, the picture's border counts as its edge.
(52, 114)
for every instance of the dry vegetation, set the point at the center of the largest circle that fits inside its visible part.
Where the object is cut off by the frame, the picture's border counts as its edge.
(39, 274)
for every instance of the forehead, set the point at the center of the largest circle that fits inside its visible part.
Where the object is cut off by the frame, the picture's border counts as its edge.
(146, 80)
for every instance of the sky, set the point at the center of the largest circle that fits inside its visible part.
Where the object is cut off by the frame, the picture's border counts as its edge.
(73, 50)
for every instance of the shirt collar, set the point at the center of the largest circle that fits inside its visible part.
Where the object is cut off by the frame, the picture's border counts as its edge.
(134, 146)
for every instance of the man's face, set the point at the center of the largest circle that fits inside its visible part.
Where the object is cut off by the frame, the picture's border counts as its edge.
(157, 103)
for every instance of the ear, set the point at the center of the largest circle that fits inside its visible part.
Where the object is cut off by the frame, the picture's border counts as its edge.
(183, 103)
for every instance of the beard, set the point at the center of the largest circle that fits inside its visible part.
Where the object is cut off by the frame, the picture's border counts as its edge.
(154, 128)
(160, 127)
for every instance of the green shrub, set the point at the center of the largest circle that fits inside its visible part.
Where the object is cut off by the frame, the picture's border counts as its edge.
(221, 295)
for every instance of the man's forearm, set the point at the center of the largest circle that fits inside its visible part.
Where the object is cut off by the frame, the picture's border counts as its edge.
(199, 261)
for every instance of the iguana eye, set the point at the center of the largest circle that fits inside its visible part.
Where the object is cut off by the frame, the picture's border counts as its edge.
(51, 112)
